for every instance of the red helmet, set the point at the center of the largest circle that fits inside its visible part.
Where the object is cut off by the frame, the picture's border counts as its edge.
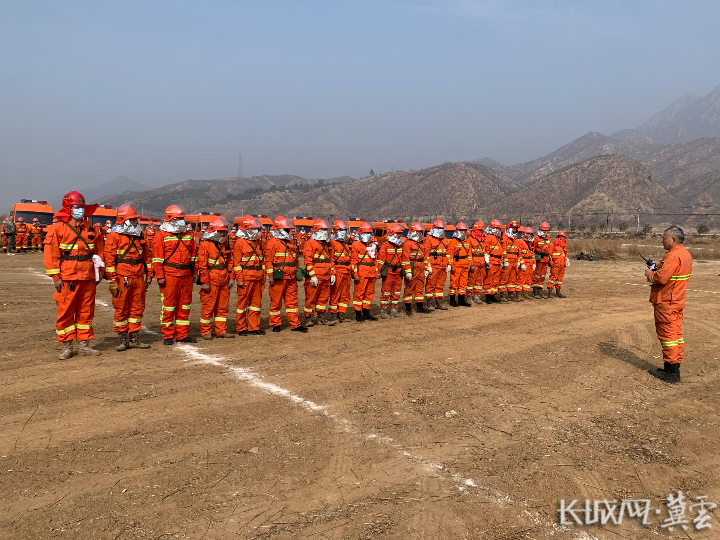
(281, 223)
(438, 224)
(512, 225)
(339, 224)
(35, 220)
(73, 198)
(544, 226)
(21, 220)
(174, 211)
(365, 227)
(495, 224)
(561, 233)
(528, 230)
(417, 227)
(126, 212)
(218, 224)
(461, 226)
(395, 229)
(250, 222)
(479, 226)
(319, 224)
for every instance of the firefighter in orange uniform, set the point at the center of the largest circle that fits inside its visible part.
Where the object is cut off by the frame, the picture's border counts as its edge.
(416, 268)
(668, 281)
(316, 255)
(215, 270)
(509, 264)
(477, 270)
(389, 260)
(558, 261)
(149, 234)
(436, 253)
(128, 269)
(232, 235)
(493, 260)
(21, 237)
(459, 255)
(175, 269)
(249, 276)
(526, 269)
(340, 258)
(542, 244)
(281, 261)
(35, 232)
(365, 272)
(10, 232)
(73, 259)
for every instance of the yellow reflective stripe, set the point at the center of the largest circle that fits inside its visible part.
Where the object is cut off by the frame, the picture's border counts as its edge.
(680, 278)
(292, 310)
(130, 319)
(170, 239)
(222, 319)
(67, 246)
(275, 313)
(110, 269)
(157, 259)
(187, 237)
(279, 254)
(669, 343)
(318, 306)
(64, 331)
(205, 321)
(120, 323)
(342, 305)
(241, 310)
(187, 307)
(182, 323)
(83, 326)
(171, 323)
(52, 271)
(251, 308)
(168, 308)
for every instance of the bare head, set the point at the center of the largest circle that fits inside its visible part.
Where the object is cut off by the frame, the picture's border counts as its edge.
(673, 236)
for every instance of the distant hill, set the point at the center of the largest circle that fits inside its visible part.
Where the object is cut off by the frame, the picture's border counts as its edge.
(119, 184)
(686, 119)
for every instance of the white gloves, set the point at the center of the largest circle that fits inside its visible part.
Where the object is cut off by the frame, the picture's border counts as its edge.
(534, 265)
(487, 259)
(449, 267)
(567, 262)
(98, 264)
(408, 276)
(332, 279)
(427, 272)
(314, 281)
(523, 267)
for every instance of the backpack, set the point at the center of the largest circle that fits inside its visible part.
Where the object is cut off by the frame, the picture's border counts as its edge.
(10, 227)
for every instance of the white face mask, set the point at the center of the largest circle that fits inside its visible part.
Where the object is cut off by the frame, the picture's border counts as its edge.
(541, 234)
(215, 236)
(174, 226)
(365, 237)
(340, 235)
(414, 236)
(250, 234)
(320, 235)
(437, 233)
(78, 213)
(510, 233)
(395, 239)
(280, 234)
(460, 235)
(128, 229)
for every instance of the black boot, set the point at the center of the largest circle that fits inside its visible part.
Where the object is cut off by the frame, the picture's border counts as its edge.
(669, 374)
(453, 301)
(408, 309)
(359, 316)
(419, 306)
(558, 293)
(463, 301)
(367, 316)
(489, 299)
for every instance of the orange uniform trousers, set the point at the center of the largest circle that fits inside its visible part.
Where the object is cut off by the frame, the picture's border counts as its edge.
(215, 303)
(248, 305)
(129, 304)
(36, 241)
(668, 327)
(75, 310)
(475, 279)
(492, 279)
(390, 289)
(435, 282)
(557, 272)
(414, 287)
(363, 293)
(539, 276)
(176, 298)
(340, 293)
(21, 241)
(459, 280)
(509, 278)
(317, 298)
(284, 290)
(525, 277)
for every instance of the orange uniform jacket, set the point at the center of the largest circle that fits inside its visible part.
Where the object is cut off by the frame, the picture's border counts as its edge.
(392, 255)
(361, 263)
(494, 248)
(459, 253)
(69, 257)
(558, 255)
(126, 256)
(436, 251)
(281, 254)
(413, 257)
(174, 255)
(317, 258)
(248, 260)
(542, 247)
(215, 263)
(340, 254)
(35, 230)
(669, 281)
(477, 248)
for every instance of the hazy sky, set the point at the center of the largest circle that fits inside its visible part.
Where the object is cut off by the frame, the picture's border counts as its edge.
(162, 91)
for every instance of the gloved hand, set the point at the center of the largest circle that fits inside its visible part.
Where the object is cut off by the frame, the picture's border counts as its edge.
(241, 284)
(332, 279)
(487, 265)
(428, 272)
(58, 284)
(272, 282)
(161, 282)
(505, 264)
(472, 268)
(148, 281)
(231, 284)
(449, 268)
(534, 265)
(567, 262)
(114, 288)
(314, 281)
(408, 276)
(523, 267)
(205, 287)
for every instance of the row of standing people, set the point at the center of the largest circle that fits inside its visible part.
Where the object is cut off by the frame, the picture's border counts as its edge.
(21, 236)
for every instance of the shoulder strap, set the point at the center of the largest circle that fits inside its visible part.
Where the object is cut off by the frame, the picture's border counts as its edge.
(123, 255)
(177, 245)
(78, 236)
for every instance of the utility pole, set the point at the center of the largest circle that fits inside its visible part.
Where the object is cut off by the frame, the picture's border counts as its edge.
(240, 168)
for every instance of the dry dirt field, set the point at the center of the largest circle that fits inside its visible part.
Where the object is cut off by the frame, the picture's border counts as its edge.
(347, 432)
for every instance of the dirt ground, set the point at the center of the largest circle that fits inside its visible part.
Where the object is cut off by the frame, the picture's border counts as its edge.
(468, 423)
